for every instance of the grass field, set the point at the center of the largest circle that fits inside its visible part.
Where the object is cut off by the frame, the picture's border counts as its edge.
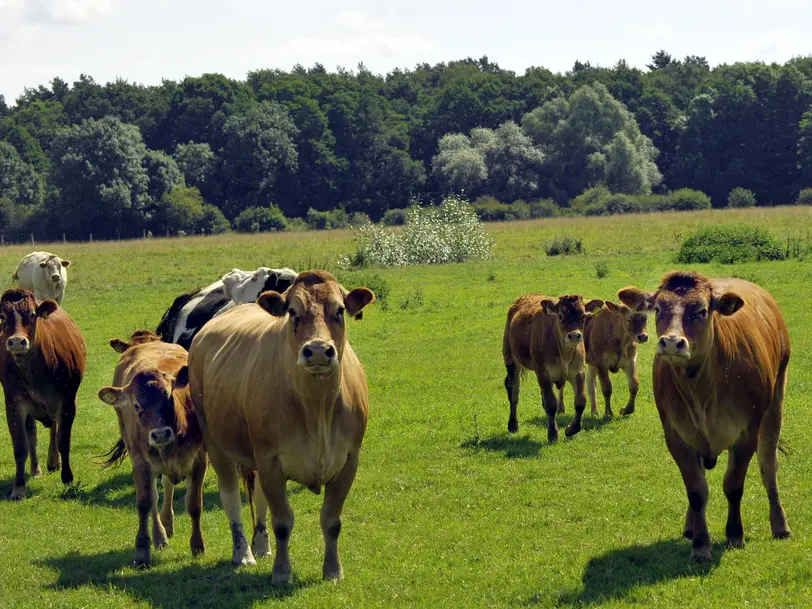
(448, 509)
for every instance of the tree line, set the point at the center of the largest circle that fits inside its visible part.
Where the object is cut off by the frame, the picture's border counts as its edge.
(209, 152)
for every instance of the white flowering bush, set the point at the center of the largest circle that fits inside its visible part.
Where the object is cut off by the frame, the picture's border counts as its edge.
(449, 232)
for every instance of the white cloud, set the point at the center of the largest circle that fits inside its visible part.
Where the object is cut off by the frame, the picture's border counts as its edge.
(653, 32)
(52, 12)
(775, 45)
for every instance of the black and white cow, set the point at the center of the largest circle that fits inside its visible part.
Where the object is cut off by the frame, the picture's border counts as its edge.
(190, 311)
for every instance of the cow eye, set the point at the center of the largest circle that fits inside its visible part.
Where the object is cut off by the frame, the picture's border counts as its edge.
(340, 313)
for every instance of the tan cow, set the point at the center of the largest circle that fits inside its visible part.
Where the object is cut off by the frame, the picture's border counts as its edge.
(611, 340)
(546, 336)
(160, 432)
(278, 389)
(719, 374)
(42, 363)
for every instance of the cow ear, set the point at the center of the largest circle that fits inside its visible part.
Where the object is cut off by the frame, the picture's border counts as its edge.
(613, 308)
(272, 302)
(118, 345)
(46, 308)
(357, 299)
(549, 306)
(66, 263)
(728, 303)
(181, 378)
(110, 395)
(594, 306)
(636, 299)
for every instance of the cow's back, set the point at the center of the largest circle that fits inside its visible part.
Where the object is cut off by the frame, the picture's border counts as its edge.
(603, 337)
(529, 333)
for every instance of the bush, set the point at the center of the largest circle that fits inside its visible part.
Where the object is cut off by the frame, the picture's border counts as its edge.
(601, 269)
(741, 197)
(804, 197)
(488, 209)
(564, 246)
(261, 220)
(450, 232)
(729, 244)
(359, 218)
(323, 220)
(394, 217)
(686, 199)
(181, 209)
(614, 204)
(545, 208)
(212, 221)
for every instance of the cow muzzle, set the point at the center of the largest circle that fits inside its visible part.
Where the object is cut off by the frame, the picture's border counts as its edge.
(575, 337)
(642, 338)
(18, 345)
(673, 346)
(161, 436)
(55, 278)
(318, 356)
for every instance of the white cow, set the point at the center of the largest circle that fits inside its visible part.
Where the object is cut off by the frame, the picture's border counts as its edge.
(44, 274)
(243, 287)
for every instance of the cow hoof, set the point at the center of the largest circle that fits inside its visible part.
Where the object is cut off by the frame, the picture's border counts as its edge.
(53, 468)
(243, 560)
(513, 426)
(595, 413)
(332, 574)
(36, 471)
(688, 534)
(734, 543)
(701, 555)
(141, 559)
(571, 431)
(261, 544)
(197, 548)
(67, 476)
(160, 543)
(626, 410)
(280, 577)
(552, 436)
(18, 493)
(608, 415)
(782, 534)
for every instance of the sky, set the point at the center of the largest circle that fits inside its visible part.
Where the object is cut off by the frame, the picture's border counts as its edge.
(145, 41)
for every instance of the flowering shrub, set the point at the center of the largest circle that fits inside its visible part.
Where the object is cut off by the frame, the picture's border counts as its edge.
(450, 232)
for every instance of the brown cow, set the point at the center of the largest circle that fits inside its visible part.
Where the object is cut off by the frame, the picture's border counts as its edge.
(611, 341)
(160, 431)
(43, 362)
(136, 338)
(719, 373)
(546, 336)
(279, 389)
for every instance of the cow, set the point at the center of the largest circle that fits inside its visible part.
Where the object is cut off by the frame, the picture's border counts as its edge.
(189, 312)
(278, 389)
(720, 367)
(546, 336)
(160, 432)
(44, 274)
(42, 363)
(611, 340)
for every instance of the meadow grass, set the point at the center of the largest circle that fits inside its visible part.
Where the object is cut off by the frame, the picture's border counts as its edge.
(448, 509)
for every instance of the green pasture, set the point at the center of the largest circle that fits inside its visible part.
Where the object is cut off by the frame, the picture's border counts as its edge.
(448, 509)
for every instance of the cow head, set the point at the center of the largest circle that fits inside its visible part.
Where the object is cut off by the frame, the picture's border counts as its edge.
(52, 267)
(571, 313)
(634, 321)
(316, 306)
(158, 399)
(684, 306)
(136, 338)
(19, 313)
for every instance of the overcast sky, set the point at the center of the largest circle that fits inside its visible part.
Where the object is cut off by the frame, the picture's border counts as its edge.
(146, 40)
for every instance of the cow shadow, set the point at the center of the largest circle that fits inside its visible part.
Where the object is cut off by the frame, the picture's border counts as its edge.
(614, 575)
(195, 585)
(6, 484)
(588, 422)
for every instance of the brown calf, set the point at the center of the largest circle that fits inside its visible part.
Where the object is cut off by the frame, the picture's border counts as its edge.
(160, 431)
(546, 336)
(278, 389)
(611, 341)
(42, 362)
(719, 373)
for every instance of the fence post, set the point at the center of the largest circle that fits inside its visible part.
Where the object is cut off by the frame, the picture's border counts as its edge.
(32, 239)
(91, 237)
(3, 239)
(63, 238)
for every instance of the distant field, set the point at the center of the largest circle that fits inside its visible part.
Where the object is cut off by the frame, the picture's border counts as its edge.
(448, 509)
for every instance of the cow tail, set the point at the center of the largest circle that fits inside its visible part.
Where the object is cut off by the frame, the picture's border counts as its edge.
(115, 455)
(248, 477)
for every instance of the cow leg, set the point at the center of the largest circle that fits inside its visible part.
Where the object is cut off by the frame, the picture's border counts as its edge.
(591, 382)
(229, 482)
(31, 433)
(194, 501)
(261, 542)
(513, 383)
(274, 484)
(606, 390)
(578, 385)
(335, 493)
(693, 475)
(65, 425)
(634, 385)
(167, 509)
(561, 400)
(159, 538)
(738, 460)
(768, 437)
(53, 444)
(142, 477)
(550, 405)
(19, 440)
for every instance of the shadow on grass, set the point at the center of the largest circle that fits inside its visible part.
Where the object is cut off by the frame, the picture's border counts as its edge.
(588, 422)
(615, 574)
(195, 585)
(6, 484)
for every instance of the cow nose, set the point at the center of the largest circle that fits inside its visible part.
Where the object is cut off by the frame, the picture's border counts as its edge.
(161, 436)
(642, 338)
(318, 353)
(673, 345)
(575, 337)
(55, 278)
(17, 344)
